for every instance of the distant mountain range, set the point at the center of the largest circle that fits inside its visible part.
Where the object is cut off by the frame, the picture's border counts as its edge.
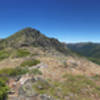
(90, 50)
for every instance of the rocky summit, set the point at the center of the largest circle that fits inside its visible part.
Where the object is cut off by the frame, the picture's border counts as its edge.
(32, 37)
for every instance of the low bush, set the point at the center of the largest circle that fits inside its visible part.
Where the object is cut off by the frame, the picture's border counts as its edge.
(4, 54)
(35, 71)
(22, 53)
(3, 89)
(95, 60)
(13, 71)
(29, 63)
(41, 86)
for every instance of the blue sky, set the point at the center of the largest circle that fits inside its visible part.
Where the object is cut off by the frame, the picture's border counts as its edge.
(67, 20)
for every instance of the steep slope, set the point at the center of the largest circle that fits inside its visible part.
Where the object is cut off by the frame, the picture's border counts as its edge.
(32, 37)
(90, 50)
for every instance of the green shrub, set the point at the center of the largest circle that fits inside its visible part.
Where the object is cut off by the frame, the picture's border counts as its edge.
(95, 60)
(41, 86)
(22, 53)
(96, 77)
(18, 71)
(6, 71)
(4, 54)
(3, 89)
(36, 71)
(13, 71)
(30, 63)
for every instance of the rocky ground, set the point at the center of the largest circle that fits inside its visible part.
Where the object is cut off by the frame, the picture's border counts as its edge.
(53, 83)
(21, 87)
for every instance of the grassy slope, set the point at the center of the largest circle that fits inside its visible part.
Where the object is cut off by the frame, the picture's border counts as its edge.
(72, 86)
(89, 50)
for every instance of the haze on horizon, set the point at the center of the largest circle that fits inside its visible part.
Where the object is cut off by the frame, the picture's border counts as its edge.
(66, 20)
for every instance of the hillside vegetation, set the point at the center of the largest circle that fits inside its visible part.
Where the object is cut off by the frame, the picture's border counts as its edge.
(89, 50)
(36, 67)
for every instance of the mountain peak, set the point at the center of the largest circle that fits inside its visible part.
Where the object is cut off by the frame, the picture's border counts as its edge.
(28, 29)
(33, 37)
